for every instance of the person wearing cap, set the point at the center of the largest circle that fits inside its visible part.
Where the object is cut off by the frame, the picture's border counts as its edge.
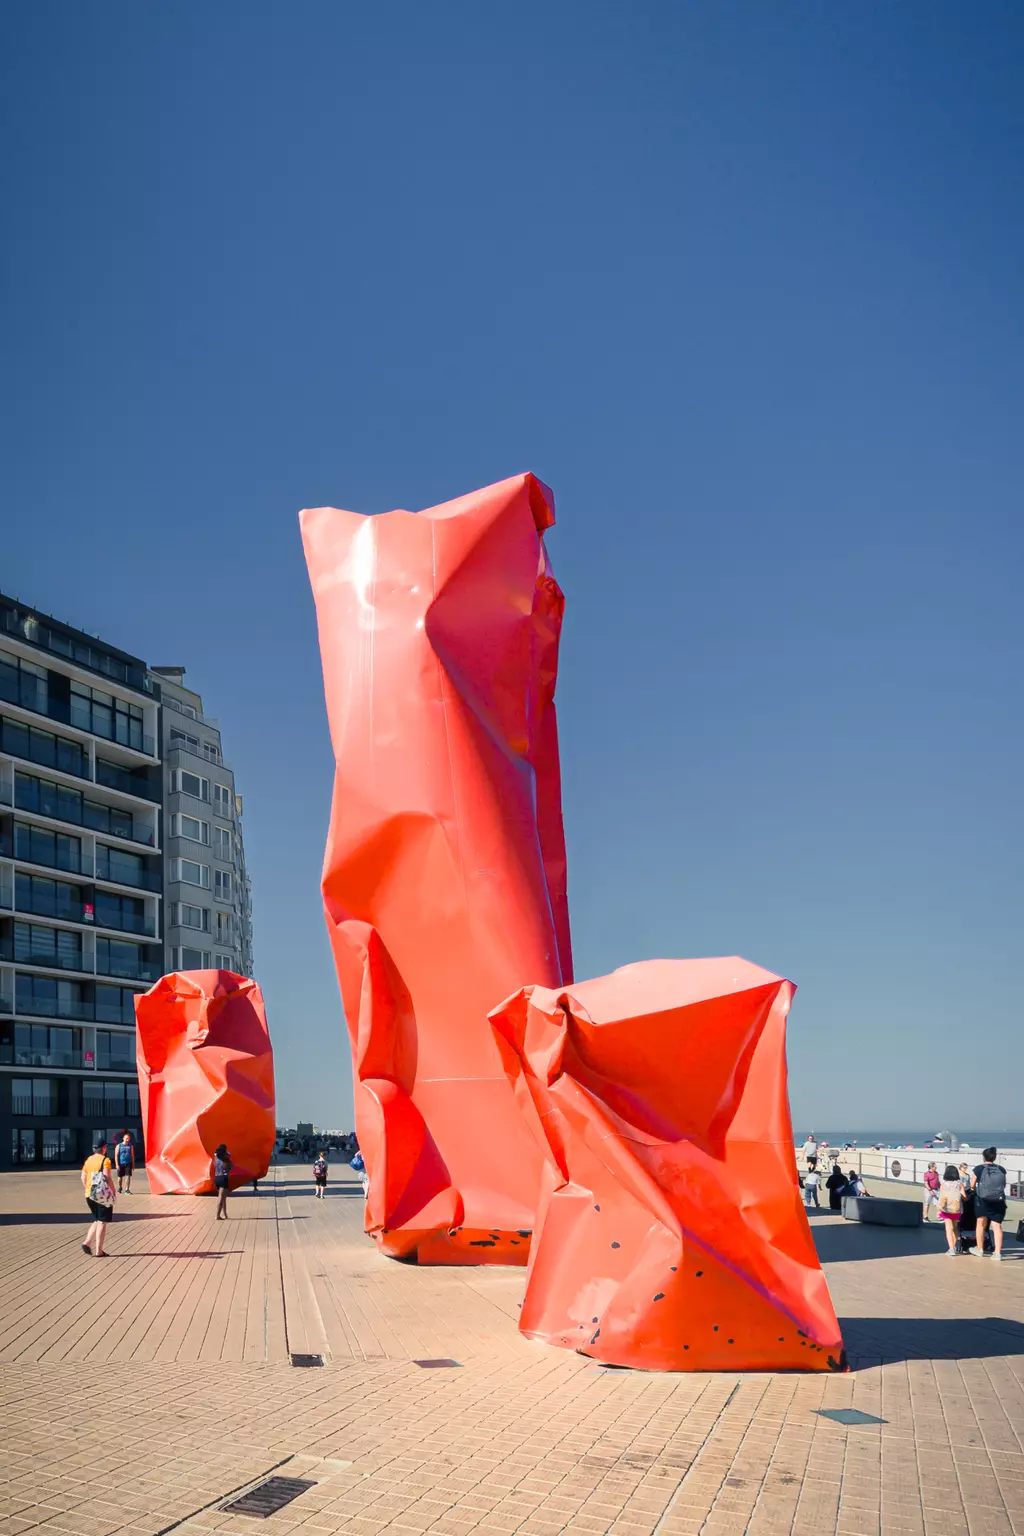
(222, 1166)
(98, 1183)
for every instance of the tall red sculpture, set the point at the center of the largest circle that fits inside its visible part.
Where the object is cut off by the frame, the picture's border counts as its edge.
(671, 1233)
(444, 876)
(206, 1076)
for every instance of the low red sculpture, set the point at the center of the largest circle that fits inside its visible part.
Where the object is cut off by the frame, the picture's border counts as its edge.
(206, 1076)
(444, 876)
(671, 1234)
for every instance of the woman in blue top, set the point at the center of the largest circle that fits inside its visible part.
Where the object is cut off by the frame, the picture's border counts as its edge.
(222, 1166)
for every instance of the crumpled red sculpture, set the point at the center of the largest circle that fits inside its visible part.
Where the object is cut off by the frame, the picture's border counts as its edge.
(206, 1076)
(444, 880)
(671, 1235)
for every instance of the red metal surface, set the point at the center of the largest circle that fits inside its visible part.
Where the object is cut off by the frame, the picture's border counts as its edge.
(671, 1234)
(206, 1076)
(444, 877)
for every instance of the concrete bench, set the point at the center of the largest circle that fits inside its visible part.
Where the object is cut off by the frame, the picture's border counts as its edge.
(881, 1212)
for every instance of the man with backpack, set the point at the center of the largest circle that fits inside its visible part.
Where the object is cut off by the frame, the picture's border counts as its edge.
(988, 1181)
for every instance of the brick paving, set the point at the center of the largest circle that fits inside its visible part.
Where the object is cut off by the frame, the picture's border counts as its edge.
(140, 1393)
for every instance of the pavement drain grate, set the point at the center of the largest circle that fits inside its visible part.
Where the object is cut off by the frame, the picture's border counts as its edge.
(437, 1365)
(307, 1359)
(269, 1496)
(848, 1416)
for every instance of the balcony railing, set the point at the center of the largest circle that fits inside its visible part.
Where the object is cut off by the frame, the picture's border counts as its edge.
(125, 922)
(126, 970)
(31, 693)
(117, 874)
(108, 1063)
(36, 1007)
(19, 1056)
(66, 863)
(113, 777)
(106, 1013)
(88, 814)
(51, 960)
(45, 906)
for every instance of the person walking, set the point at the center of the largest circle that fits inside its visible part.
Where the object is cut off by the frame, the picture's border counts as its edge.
(931, 1191)
(988, 1181)
(836, 1184)
(320, 1175)
(124, 1159)
(811, 1182)
(359, 1166)
(809, 1148)
(222, 1166)
(951, 1200)
(98, 1183)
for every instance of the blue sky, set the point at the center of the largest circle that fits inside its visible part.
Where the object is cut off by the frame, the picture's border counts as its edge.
(742, 282)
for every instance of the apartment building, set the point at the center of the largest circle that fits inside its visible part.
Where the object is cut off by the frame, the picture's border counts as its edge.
(121, 858)
(208, 900)
(81, 882)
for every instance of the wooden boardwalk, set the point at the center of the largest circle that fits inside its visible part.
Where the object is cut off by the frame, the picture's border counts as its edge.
(138, 1392)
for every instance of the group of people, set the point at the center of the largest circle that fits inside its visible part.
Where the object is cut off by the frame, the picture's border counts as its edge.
(838, 1184)
(99, 1171)
(970, 1202)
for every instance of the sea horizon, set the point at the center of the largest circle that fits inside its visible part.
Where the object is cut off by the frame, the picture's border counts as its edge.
(913, 1138)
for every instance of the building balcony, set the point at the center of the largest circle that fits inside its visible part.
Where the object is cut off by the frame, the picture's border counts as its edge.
(17, 1056)
(78, 1009)
(127, 970)
(119, 874)
(51, 961)
(28, 692)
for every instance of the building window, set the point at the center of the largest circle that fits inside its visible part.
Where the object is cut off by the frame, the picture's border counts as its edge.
(223, 962)
(47, 1045)
(57, 947)
(222, 843)
(223, 800)
(119, 957)
(103, 715)
(183, 740)
(188, 872)
(115, 1053)
(23, 1146)
(22, 682)
(107, 818)
(225, 927)
(191, 827)
(43, 747)
(125, 912)
(47, 898)
(57, 1146)
(47, 798)
(211, 752)
(34, 1096)
(114, 1101)
(56, 849)
(187, 916)
(114, 1005)
(48, 997)
(222, 885)
(192, 959)
(193, 784)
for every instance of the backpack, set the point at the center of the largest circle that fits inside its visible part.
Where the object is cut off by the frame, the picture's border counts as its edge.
(991, 1182)
(99, 1187)
(357, 1163)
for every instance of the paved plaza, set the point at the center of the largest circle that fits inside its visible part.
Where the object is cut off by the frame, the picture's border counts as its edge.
(142, 1392)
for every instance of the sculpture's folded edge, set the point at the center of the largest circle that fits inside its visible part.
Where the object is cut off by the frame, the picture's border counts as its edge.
(206, 1076)
(444, 874)
(671, 1235)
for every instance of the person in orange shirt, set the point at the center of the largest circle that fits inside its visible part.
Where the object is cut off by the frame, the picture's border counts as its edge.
(98, 1183)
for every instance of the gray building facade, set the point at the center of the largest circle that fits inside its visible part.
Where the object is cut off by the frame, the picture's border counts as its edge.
(121, 859)
(208, 921)
(81, 885)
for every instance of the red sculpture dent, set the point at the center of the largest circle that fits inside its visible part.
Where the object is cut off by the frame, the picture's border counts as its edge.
(206, 1076)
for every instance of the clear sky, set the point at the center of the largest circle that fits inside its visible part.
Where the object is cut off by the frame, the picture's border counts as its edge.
(741, 281)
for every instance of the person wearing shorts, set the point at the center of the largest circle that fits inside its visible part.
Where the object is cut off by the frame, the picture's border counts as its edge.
(951, 1200)
(124, 1158)
(320, 1175)
(98, 1183)
(931, 1191)
(222, 1166)
(988, 1181)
